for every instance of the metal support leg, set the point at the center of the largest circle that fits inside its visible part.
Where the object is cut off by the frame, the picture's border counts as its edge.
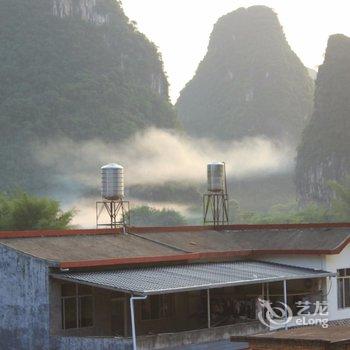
(285, 301)
(208, 308)
(132, 312)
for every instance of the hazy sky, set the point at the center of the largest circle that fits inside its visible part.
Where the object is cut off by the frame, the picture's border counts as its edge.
(181, 28)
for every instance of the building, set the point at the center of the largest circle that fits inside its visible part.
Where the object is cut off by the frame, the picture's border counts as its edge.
(99, 289)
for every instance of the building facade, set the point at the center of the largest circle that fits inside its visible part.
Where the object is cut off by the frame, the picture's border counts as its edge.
(75, 289)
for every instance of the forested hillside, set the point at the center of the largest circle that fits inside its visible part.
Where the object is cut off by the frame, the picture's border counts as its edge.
(77, 69)
(324, 152)
(249, 83)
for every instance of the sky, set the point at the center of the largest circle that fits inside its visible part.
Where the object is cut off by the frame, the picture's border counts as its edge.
(181, 28)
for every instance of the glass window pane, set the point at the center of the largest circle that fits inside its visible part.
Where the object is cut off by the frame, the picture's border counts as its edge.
(155, 306)
(341, 272)
(163, 312)
(69, 306)
(167, 306)
(68, 289)
(117, 308)
(86, 311)
(347, 292)
(150, 308)
(146, 309)
(84, 290)
(340, 293)
(347, 272)
(117, 317)
(158, 306)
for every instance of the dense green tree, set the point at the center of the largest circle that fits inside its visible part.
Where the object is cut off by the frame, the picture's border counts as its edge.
(292, 213)
(173, 192)
(20, 211)
(324, 151)
(79, 71)
(287, 214)
(341, 201)
(147, 216)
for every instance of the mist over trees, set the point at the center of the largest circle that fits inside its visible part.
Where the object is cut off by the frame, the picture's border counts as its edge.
(20, 211)
(87, 76)
(148, 216)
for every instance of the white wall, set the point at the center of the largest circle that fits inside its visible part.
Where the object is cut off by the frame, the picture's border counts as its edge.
(329, 263)
(333, 263)
(309, 261)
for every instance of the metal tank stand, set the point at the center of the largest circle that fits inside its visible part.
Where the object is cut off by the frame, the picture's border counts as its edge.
(118, 212)
(215, 208)
(215, 201)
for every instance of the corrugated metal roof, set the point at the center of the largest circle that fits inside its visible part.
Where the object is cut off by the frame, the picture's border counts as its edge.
(179, 278)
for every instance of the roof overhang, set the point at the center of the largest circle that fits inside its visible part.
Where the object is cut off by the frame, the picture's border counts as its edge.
(189, 277)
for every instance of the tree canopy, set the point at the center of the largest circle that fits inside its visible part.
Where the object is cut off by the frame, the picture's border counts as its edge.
(341, 200)
(292, 213)
(148, 216)
(20, 211)
(323, 154)
(64, 76)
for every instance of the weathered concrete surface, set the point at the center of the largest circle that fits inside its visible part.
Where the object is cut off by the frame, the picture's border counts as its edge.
(90, 343)
(162, 341)
(181, 340)
(24, 302)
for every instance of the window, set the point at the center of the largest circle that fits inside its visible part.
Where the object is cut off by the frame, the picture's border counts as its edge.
(118, 311)
(77, 306)
(343, 288)
(158, 307)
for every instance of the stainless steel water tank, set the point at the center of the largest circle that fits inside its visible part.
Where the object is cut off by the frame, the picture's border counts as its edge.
(216, 177)
(112, 187)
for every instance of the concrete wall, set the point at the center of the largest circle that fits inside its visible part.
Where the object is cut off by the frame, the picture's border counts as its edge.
(308, 261)
(89, 343)
(24, 304)
(161, 341)
(25, 309)
(333, 263)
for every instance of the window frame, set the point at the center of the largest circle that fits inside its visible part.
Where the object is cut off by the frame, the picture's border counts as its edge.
(77, 298)
(342, 276)
(169, 299)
